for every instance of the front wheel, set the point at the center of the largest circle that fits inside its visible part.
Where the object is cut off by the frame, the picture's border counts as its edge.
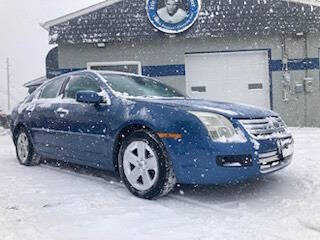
(145, 167)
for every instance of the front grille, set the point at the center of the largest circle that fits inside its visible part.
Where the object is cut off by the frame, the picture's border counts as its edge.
(264, 128)
(271, 161)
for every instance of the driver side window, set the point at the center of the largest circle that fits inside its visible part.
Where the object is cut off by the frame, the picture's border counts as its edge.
(80, 83)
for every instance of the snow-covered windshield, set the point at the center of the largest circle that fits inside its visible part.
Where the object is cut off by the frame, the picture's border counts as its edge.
(135, 86)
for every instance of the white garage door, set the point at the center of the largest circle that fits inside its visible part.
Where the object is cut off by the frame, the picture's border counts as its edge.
(241, 77)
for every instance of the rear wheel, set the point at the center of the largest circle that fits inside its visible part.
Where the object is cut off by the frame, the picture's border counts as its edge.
(144, 166)
(24, 149)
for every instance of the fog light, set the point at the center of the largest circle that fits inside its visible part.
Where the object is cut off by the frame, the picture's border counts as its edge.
(234, 161)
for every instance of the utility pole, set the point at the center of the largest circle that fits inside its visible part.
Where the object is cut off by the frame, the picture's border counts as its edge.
(8, 84)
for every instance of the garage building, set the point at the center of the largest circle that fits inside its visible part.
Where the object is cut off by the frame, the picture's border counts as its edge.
(258, 52)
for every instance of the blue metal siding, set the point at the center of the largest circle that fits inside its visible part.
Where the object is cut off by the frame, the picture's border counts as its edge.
(164, 70)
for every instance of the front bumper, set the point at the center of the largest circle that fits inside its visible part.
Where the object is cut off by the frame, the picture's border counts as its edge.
(195, 164)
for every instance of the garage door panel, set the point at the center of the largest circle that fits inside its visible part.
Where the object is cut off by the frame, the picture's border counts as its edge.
(233, 77)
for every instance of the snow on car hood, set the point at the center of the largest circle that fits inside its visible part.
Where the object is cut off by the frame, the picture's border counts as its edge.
(231, 110)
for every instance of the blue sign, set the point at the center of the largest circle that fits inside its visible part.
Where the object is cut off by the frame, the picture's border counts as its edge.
(173, 16)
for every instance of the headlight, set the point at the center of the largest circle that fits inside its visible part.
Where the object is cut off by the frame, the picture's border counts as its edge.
(219, 127)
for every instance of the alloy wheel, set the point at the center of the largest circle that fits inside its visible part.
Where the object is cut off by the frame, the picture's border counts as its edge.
(140, 165)
(23, 147)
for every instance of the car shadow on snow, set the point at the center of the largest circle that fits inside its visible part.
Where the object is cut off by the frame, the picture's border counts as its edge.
(83, 170)
(250, 189)
(224, 193)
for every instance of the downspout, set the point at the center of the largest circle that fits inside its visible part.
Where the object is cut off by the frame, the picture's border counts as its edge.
(306, 74)
(286, 78)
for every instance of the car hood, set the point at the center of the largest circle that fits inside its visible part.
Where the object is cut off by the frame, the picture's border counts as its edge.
(231, 110)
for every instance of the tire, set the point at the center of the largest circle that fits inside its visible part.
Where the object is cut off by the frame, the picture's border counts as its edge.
(24, 149)
(144, 166)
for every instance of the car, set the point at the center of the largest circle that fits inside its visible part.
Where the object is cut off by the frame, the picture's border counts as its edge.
(150, 133)
(3, 119)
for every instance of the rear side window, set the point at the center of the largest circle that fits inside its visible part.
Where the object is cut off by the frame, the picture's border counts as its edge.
(80, 83)
(52, 89)
(33, 95)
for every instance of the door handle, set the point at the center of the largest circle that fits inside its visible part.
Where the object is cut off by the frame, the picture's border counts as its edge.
(199, 89)
(61, 111)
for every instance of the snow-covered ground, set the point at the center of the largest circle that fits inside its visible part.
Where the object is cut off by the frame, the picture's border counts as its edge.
(58, 203)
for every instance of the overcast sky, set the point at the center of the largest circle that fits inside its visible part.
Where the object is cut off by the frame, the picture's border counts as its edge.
(25, 42)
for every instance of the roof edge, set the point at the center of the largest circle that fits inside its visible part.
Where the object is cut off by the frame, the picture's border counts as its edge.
(306, 2)
(84, 11)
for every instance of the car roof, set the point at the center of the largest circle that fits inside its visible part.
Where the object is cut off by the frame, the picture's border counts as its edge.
(115, 72)
(96, 72)
(99, 72)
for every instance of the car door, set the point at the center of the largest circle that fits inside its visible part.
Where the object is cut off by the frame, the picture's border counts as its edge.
(85, 125)
(44, 119)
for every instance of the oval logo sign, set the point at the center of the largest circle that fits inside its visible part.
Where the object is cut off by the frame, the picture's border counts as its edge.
(173, 16)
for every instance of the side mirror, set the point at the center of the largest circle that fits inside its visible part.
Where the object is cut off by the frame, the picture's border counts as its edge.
(88, 97)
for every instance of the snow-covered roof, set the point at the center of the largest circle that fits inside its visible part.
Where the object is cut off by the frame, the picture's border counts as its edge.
(78, 13)
(126, 20)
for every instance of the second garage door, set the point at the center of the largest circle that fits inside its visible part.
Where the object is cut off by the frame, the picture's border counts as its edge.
(241, 77)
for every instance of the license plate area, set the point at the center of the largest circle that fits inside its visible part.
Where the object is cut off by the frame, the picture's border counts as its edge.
(285, 147)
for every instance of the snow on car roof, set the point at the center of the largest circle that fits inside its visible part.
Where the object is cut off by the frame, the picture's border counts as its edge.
(115, 72)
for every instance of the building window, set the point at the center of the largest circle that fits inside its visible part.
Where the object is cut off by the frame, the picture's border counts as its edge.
(128, 67)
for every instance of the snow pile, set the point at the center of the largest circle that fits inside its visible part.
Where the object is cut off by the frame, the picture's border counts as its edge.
(4, 131)
(55, 203)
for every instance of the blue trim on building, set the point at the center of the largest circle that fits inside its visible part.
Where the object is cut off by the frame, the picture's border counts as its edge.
(275, 65)
(164, 70)
(296, 64)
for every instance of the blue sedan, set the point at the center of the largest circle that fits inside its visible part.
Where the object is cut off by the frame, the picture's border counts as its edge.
(149, 133)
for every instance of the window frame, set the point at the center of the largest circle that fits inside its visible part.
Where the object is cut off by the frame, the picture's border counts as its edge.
(119, 63)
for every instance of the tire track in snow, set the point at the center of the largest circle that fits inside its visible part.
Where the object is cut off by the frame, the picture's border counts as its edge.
(205, 206)
(114, 181)
(310, 226)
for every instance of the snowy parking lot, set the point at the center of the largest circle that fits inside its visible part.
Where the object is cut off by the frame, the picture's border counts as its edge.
(68, 202)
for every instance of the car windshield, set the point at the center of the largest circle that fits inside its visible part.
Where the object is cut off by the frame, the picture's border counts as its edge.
(134, 86)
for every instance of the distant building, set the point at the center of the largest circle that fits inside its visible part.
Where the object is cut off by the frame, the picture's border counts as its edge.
(35, 83)
(260, 52)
